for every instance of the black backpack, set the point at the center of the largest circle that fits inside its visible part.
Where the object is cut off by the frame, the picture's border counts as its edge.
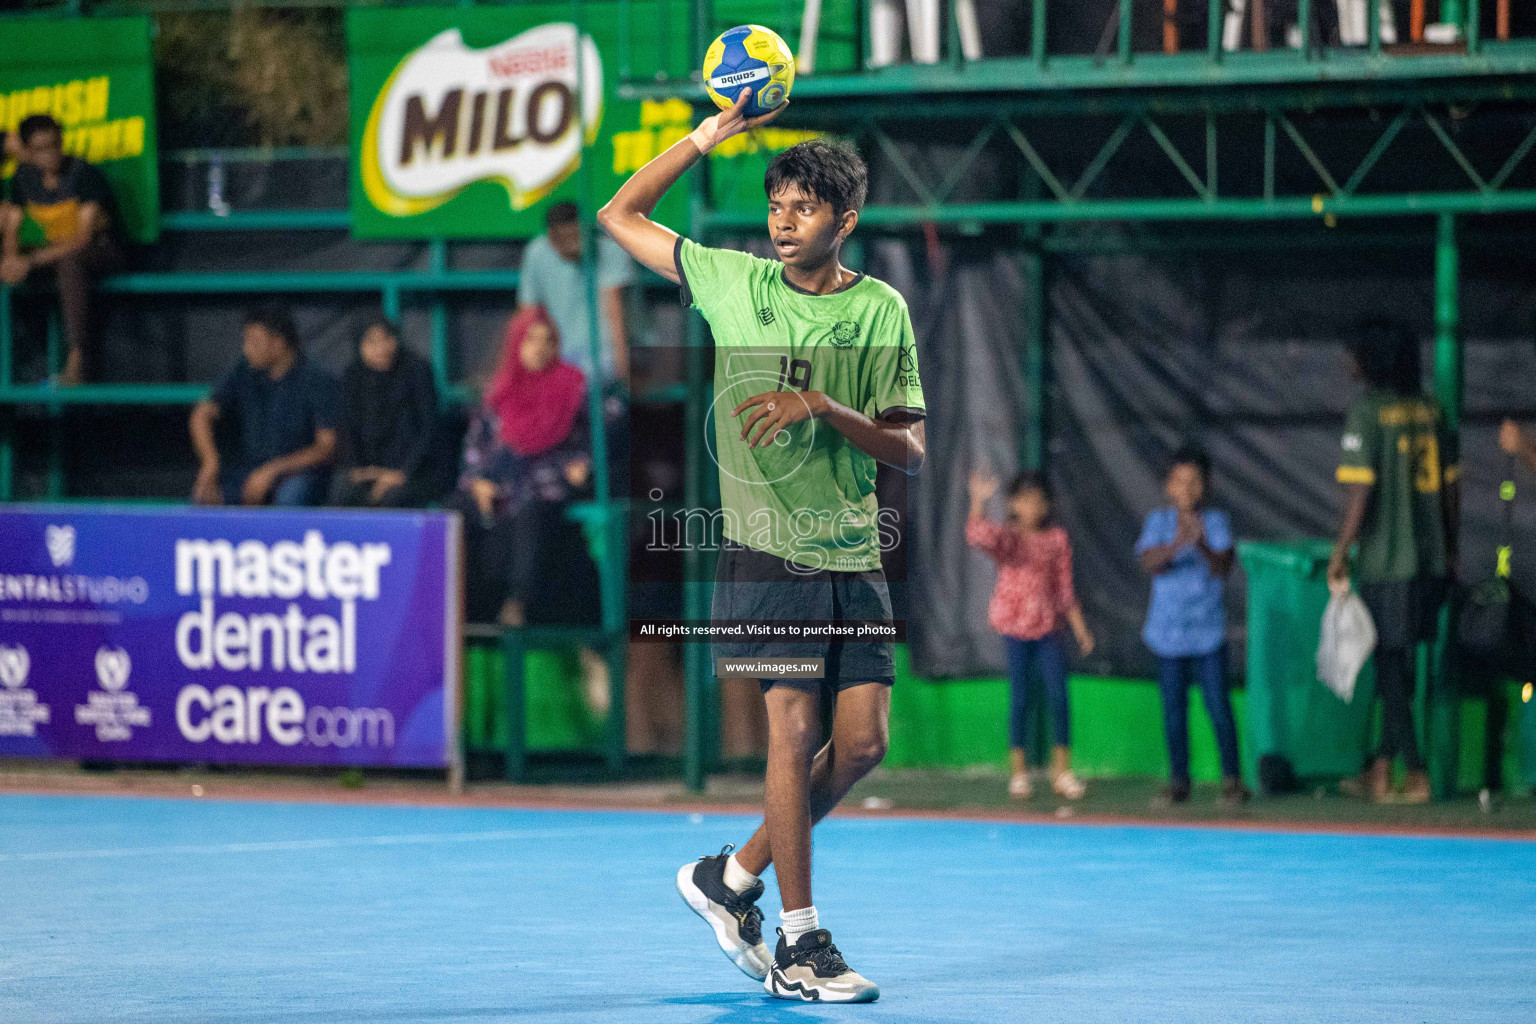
(1496, 624)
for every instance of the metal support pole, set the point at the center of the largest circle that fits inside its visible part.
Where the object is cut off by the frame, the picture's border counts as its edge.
(7, 414)
(612, 527)
(1269, 157)
(1304, 22)
(626, 71)
(956, 50)
(6, 341)
(1210, 155)
(1443, 725)
(1037, 34)
(1373, 26)
(1032, 457)
(1453, 12)
(439, 313)
(1213, 30)
(1448, 350)
(1126, 8)
(701, 29)
(7, 449)
(1474, 26)
(514, 699)
(696, 667)
(55, 412)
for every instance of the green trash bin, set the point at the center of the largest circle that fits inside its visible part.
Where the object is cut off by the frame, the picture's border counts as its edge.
(1289, 711)
(1527, 712)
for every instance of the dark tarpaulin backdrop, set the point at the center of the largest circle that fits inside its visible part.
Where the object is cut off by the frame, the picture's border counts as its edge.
(1239, 348)
(1240, 351)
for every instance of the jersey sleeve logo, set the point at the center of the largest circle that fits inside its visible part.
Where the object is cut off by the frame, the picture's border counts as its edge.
(845, 333)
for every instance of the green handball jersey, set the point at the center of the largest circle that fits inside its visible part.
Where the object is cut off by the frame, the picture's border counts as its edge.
(810, 496)
(1399, 446)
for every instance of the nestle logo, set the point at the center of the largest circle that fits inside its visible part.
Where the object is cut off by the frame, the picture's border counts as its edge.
(517, 63)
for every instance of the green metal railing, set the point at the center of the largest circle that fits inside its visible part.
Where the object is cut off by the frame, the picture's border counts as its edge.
(392, 287)
(1042, 68)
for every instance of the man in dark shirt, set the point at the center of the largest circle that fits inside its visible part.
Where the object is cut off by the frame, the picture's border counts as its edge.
(283, 410)
(1399, 465)
(72, 203)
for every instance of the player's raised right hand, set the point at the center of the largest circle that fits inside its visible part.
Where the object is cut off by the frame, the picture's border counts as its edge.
(714, 130)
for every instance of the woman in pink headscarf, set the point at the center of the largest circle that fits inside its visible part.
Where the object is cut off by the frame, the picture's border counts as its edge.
(525, 455)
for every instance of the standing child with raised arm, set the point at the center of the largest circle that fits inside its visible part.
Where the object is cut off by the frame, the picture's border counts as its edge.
(1034, 594)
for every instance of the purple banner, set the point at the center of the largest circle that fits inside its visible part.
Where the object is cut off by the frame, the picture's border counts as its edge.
(229, 635)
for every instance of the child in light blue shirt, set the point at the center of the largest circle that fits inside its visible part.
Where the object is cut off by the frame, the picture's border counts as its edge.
(1187, 549)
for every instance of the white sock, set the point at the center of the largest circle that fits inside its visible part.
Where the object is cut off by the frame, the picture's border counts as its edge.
(737, 878)
(797, 922)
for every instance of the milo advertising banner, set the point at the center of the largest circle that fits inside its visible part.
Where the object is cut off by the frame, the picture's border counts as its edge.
(229, 636)
(468, 122)
(93, 76)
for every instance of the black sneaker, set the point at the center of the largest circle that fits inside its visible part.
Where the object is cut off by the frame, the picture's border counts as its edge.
(736, 919)
(814, 971)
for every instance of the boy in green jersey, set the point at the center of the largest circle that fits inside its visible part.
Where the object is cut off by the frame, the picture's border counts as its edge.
(815, 382)
(1399, 467)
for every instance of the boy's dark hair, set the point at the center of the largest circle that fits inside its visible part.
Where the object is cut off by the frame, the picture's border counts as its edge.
(384, 323)
(561, 213)
(828, 169)
(1388, 355)
(34, 124)
(1192, 455)
(274, 321)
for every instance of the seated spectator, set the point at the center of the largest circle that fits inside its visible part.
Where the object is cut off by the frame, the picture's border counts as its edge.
(525, 456)
(389, 424)
(72, 203)
(282, 410)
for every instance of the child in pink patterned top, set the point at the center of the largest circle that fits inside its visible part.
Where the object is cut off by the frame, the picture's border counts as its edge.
(1033, 596)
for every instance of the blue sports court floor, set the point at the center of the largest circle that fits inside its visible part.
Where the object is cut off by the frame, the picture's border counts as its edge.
(180, 911)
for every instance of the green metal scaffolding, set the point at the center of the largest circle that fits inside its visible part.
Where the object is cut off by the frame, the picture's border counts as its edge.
(1023, 106)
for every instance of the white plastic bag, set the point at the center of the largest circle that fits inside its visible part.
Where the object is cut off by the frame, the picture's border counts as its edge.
(1347, 639)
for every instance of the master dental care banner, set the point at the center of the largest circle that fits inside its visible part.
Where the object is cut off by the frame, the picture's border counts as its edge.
(213, 635)
(467, 122)
(95, 77)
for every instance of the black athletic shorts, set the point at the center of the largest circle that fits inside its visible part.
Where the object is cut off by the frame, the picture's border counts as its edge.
(1406, 612)
(753, 585)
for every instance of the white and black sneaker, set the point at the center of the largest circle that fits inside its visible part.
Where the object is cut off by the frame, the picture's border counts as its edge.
(814, 971)
(736, 919)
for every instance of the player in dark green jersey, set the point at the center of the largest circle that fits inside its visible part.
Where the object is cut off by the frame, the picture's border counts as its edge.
(1399, 467)
(815, 382)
